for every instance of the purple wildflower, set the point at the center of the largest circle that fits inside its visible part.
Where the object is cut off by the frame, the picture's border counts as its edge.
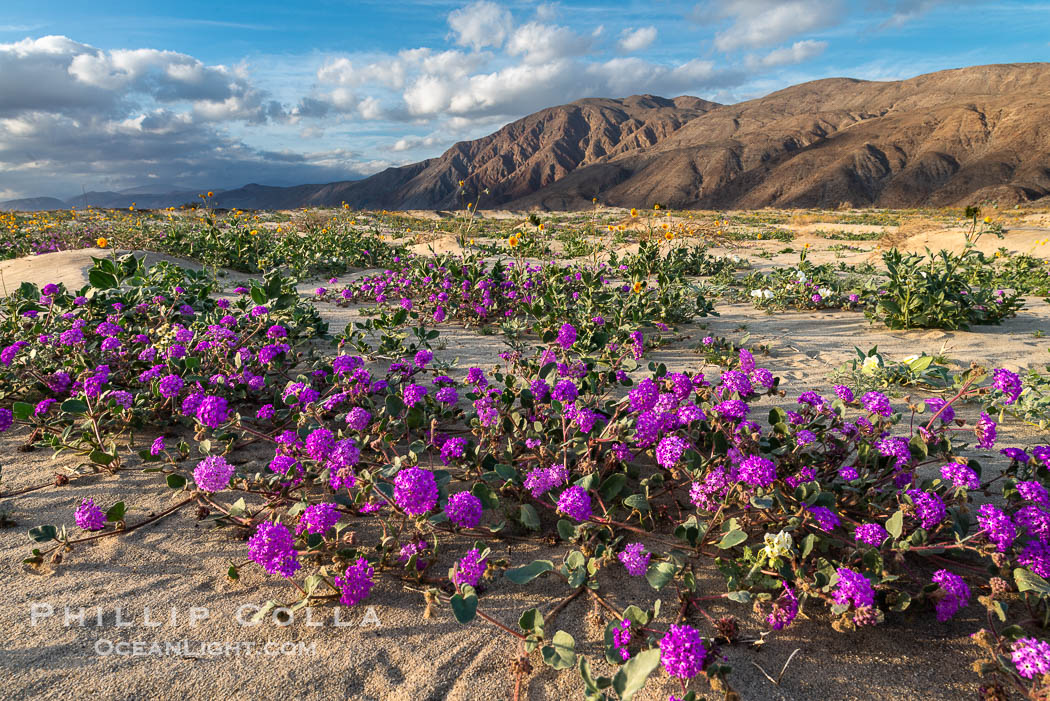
(682, 652)
(213, 473)
(575, 503)
(273, 548)
(635, 559)
(464, 509)
(356, 583)
(89, 517)
(415, 490)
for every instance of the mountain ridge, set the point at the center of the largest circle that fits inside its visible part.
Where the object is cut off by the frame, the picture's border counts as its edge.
(944, 138)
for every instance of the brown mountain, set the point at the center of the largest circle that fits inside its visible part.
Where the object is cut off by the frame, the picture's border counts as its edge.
(952, 137)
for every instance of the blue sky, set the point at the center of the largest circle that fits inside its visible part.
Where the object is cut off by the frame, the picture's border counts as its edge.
(114, 95)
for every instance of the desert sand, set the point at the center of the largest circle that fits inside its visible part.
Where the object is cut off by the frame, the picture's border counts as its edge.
(179, 564)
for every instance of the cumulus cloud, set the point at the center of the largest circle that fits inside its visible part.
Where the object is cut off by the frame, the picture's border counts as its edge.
(632, 40)
(755, 24)
(75, 115)
(799, 52)
(543, 43)
(480, 24)
(904, 11)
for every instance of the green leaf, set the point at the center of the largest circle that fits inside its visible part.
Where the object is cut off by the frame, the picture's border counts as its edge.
(633, 675)
(895, 524)
(176, 481)
(465, 605)
(732, 539)
(116, 512)
(22, 410)
(561, 653)
(528, 517)
(43, 534)
(102, 280)
(394, 405)
(529, 572)
(1027, 580)
(660, 573)
(612, 486)
(74, 406)
(100, 458)
(530, 620)
(637, 501)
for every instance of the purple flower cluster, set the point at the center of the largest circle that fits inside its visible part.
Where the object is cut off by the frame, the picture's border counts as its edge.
(357, 419)
(853, 587)
(575, 503)
(566, 336)
(929, 507)
(985, 431)
(415, 490)
(870, 534)
(213, 473)
(453, 449)
(670, 451)
(757, 471)
(464, 509)
(356, 583)
(877, 403)
(826, 519)
(785, 608)
(635, 559)
(682, 652)
(960, 475)
(542, 479)
(89, 517)
(273, 548)
(997, 526)
(212, 411)
(318, 518)
(1009, 383)
(1031, 656)
(956, 594)
(471, 568)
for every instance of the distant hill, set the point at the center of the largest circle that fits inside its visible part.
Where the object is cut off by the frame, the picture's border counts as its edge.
(32, 204)
(946, 138)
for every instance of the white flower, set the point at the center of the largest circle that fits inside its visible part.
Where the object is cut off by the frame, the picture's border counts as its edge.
(910, 359)
(778, 545)
(824, 292)
(801, 276)
(756, 293)
(871, 364)
(768, 294)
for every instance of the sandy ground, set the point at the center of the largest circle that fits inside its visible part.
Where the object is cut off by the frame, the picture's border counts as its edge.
(179, 564)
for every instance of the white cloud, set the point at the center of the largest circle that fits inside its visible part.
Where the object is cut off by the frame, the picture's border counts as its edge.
(75, 115)
(760, 23)
(542, 43)
(546, 12)
(632, 40)
(799, 52)
(905, 11)
(480, 24)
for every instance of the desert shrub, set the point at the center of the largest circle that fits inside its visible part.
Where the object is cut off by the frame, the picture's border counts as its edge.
(805, 286)
(89, 366)
(932, 291)
(538, 297)
(870, 370)
(694, 260)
